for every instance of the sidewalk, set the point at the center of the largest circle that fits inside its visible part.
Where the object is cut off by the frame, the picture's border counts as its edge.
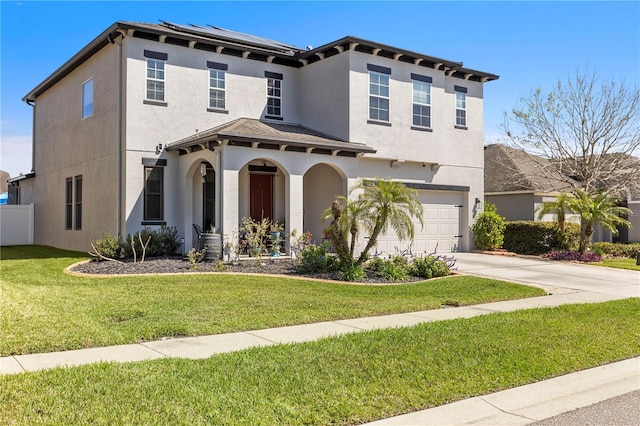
(522, 405)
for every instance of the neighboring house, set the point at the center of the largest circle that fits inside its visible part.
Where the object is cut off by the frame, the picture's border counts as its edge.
(21, 189)
(165, 124)
(513, 182)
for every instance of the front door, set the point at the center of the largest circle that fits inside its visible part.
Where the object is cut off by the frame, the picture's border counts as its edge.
(261, 196)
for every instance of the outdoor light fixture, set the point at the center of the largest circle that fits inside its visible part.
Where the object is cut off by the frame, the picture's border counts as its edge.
(478, 203)
(203, 170)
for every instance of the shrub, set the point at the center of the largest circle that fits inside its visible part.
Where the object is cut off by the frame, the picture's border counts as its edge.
(316, 259)
(572, 255)
(353, 272)
(530, 237)
(108, 246)
(429, 267)
(488, 229)
(617, 249)
(162, 242)
(394, 269)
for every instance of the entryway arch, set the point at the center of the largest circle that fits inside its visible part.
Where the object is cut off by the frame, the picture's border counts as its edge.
(322, 183)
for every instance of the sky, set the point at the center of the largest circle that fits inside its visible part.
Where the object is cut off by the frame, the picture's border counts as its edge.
(528, 44)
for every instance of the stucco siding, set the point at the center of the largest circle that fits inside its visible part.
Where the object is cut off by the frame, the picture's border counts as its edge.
(324, 96)
(66, 145)
(514, 206)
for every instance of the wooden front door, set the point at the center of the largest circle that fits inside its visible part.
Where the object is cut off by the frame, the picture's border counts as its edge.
(261, 196)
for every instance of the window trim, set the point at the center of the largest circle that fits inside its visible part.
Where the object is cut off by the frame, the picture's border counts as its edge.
(147, 169)
(77, 204)
(84, 104)
(156, 59)
(372, 72)
(275, 77)
(462, 124)
(68, 203)
(415, 78)
(218, 89)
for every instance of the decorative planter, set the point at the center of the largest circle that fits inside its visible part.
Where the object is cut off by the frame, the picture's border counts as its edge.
(213, 245)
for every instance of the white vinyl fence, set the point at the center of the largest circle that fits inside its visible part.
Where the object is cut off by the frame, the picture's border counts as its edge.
(16, 225)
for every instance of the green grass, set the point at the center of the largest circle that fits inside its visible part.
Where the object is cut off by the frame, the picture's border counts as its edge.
(343, 380)
(45, 310)
(620, 263)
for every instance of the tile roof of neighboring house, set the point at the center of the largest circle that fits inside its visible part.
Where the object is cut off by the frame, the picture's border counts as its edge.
(508, 170)
(251, 47)
(259, 134)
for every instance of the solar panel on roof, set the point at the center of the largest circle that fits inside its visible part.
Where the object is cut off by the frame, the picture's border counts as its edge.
(235, 36)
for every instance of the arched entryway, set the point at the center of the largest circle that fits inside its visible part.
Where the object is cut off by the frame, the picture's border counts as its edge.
(262, 191)
(203, 204)
(322, 183)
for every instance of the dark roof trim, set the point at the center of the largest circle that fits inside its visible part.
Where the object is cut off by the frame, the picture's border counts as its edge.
(433, 187)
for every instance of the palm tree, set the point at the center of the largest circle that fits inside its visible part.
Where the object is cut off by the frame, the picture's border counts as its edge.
(560, 207)
(599, 209)
(347, 215)
(563, 204)
(385, 204)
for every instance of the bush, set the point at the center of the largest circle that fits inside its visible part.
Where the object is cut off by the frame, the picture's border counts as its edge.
(352, 272)
(572, 255)
(316, 259)
(617, 249)
(488, 229)
(394, 269)
(429, 267)
(531, 237)
(162, 242)
(108, 246)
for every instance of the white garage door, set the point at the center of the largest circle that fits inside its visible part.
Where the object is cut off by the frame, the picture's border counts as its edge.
(441, 231)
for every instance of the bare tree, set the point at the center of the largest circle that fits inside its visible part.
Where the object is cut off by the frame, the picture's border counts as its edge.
(584, 132)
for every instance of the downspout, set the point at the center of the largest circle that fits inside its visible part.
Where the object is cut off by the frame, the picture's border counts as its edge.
(33, 135)
(119, 137)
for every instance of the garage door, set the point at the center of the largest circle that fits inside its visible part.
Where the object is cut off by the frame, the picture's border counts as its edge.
(441, 231)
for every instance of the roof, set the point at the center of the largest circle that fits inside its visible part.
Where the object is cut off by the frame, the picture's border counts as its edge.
(254, 133)
(210, 38)
(508, 170)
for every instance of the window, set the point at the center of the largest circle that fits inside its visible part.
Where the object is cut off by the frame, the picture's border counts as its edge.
(87, 99)
(155, 80)
(153, 194)
(217, 86)
(78, 203)
(421, 101)
(461, 106)
(73, 210)
(68, 212)
(274, 95)
(216, 89)
(378, 92)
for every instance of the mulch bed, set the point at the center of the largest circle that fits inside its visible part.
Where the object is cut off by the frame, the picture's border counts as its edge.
(176, 265)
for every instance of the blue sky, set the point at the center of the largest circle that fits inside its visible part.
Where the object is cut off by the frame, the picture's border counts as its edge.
(529, 44)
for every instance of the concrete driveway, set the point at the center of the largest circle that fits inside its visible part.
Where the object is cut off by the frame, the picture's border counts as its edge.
(555, 277)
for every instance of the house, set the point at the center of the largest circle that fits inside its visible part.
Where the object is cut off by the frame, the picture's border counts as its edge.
(182, 125)
(514, 183)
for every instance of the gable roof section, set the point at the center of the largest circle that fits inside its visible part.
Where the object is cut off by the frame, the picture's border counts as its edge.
(510, 170)
(250, 47)
(251, 133)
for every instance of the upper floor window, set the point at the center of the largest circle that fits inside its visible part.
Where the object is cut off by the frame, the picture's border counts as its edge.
(421, 100)
(274, 95)
(378, 93)
(155, 75)
(461, 106)
(87, 99)
(217, 86)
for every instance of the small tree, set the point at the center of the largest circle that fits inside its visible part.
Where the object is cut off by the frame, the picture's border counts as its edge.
(488, 229)
(599, 209)
(564, 203)
(383, 204)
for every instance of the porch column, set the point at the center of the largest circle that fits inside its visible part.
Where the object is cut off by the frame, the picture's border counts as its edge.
(294, 205)
(230, 194)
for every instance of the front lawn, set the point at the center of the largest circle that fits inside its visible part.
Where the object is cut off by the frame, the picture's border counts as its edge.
(45, 310)
(620, 263)
(348, 379)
